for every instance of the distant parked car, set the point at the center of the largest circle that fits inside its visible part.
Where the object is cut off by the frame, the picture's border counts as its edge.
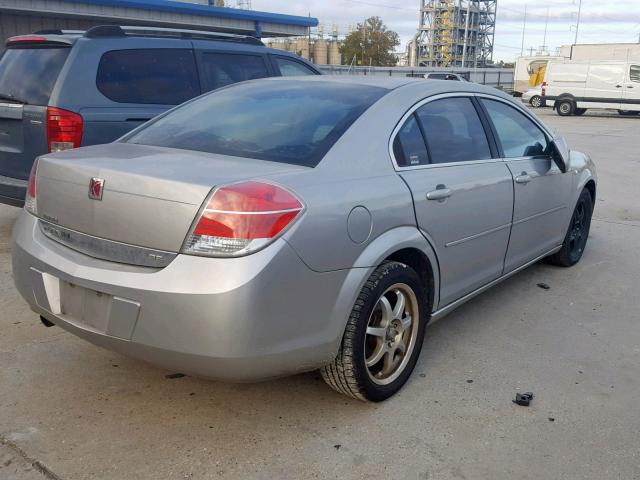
(533, 97)
(284, 225)
(65, 89)
(445, 76)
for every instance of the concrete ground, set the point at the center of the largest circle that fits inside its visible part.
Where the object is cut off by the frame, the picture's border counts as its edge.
(70, 410)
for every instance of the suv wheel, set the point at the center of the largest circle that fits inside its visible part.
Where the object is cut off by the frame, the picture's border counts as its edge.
(576, 237)
(536, 101)
(383, 337)
(565, 108)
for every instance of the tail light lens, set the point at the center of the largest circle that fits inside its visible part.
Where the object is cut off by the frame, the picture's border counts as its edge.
(543, 89)
(242, 218)
(64, 129)
(30, 203)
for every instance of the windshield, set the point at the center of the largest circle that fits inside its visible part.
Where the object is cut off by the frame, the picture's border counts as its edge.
(27, 75)
(290, 121)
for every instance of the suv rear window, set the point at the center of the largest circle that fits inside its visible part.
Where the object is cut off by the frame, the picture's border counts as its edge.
(163, 76)
(292, 121)
(29, 74)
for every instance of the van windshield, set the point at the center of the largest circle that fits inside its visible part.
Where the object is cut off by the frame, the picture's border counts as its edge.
(27, 75)
(288, 121)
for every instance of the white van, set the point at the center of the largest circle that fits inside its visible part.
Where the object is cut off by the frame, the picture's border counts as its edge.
(573, 87)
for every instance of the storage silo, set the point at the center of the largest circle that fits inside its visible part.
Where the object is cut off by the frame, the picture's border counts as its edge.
(320, 52)
(302, 47)
(335, 58)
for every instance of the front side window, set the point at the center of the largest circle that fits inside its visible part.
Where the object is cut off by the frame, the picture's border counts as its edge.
(409, 148)
(291, 68)
(518, 135)
(294, 122)
(222, 69)
(634, 73)
(162, 76)
(453, 131)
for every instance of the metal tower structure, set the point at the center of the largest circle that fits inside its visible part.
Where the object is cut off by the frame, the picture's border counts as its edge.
(456, 33)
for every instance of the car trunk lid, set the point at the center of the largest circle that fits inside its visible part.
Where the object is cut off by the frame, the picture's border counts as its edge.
(150, 195)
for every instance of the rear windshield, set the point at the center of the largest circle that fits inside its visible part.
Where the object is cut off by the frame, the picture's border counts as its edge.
(292, 121)
(29, 74)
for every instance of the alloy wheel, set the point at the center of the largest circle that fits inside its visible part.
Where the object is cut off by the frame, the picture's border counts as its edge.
(391, 333)
(578, 235)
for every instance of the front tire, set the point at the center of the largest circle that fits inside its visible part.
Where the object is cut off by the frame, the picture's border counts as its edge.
(565, 108)
(383, 337)
(536, 101)
(577, 234)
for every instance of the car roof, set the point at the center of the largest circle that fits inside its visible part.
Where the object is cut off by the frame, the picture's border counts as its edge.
(421, 85)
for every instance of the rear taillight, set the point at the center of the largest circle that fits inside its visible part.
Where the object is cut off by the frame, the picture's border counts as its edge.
(30, 203)
(64, 129)
(241, 218)
(543, 89)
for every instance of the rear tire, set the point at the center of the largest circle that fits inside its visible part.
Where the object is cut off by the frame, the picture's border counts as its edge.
(577, 234)
(579, 111)
(565, 108)
(383, 337)
(628, 112)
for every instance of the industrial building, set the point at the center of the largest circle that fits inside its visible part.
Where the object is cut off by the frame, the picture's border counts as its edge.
(20, 17)
(319, 50)
(454, 33)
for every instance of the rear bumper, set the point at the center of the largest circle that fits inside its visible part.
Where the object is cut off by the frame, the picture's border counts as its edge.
(240, 319)
(12, 191)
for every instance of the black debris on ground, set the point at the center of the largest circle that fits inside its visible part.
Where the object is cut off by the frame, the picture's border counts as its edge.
(544, 286)
(523, 399)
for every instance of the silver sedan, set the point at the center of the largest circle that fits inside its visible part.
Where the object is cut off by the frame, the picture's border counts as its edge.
(284, 225)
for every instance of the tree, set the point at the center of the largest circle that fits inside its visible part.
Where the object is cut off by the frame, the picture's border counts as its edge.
(371, 44)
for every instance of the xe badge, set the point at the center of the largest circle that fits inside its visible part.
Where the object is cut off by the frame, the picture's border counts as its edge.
(96, 186)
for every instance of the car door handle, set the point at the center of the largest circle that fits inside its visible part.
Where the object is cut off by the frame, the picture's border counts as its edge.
(618, 86)
(629, 86)
(440, 193)
(523, 178)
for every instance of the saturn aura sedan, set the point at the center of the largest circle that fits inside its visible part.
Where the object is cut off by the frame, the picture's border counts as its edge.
(285, 225)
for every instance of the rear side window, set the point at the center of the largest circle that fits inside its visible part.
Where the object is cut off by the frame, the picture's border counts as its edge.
(291, 68)
(29, 74)
(292, 122)
(453, 131)
(163, 76)
(409, 148)
(222, 69)
(438, 76)
(634, 73)
(518, 135)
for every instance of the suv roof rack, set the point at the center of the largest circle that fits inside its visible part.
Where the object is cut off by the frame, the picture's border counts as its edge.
(123, 31)
(55, 31)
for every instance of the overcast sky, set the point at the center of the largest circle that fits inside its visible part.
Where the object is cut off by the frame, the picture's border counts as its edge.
(600, 21)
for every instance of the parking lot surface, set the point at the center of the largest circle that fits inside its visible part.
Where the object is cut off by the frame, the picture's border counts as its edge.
(70, 410)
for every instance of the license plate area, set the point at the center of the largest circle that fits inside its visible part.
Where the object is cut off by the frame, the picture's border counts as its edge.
(85, 306)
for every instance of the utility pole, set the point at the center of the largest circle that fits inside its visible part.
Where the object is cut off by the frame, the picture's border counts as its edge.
(524, 27)
(544, 40)
(575, 41)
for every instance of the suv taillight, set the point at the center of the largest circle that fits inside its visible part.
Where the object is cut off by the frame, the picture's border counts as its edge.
(64, 129)
(543, 89)
(30, 203)
(242, 218)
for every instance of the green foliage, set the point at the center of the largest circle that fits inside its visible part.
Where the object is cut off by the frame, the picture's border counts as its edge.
(371, 44)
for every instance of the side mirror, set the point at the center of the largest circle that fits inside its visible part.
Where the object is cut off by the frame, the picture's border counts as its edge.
(558, 150)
